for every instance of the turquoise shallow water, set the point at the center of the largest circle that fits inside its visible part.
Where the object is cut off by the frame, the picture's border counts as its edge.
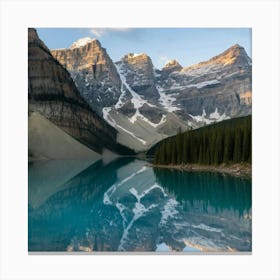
(126, 205)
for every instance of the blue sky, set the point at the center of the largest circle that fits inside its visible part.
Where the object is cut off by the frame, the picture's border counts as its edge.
(187, 45)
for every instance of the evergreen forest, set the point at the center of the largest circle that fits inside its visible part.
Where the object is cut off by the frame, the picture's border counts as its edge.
(229, 141)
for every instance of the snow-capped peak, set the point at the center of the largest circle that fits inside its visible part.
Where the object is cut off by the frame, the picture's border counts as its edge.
(172, 62)
(171, 66)
(81, 42)
(135, 55)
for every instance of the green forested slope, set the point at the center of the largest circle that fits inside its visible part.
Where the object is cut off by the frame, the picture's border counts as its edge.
(229, 141)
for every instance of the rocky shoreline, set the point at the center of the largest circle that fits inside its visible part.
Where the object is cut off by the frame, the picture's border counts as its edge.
(239, 170)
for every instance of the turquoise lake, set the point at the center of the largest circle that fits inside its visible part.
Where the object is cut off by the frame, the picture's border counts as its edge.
(127, 205)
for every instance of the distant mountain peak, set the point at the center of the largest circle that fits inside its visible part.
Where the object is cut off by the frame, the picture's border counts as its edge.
(236, 54)
(172, 65)
(82, 42)
(136, 56)
(236, 46)
(230, 55)
(133, 55)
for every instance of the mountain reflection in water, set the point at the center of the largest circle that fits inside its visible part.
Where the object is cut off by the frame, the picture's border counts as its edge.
(126, 205)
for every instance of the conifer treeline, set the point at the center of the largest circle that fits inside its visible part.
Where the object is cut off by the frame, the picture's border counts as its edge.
(227, 142)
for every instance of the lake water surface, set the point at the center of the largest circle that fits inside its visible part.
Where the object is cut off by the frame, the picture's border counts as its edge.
(126, 205)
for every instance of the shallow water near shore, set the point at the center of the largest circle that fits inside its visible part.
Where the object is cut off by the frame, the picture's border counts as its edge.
(128, 206)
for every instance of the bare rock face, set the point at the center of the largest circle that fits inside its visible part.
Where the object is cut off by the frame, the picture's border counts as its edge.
(127, 109)
(212, 90)
(138, 71)
(53, 94)
(171, 66)
(93, 72)
(150, 113)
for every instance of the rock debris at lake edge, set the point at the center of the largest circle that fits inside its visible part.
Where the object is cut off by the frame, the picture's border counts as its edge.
(238, 170)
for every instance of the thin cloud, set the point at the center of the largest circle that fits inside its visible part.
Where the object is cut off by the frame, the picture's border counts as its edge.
(99, 32)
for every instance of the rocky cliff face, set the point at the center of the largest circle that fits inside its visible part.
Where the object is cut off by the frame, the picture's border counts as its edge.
(171, 66)
(93, 72)
(138, 71)
(221, 84)
(53, 94)
(146, 104)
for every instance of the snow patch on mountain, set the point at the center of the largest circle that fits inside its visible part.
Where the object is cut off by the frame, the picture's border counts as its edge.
(213, 117)
(136, 100)
(204, 84)
(132, 134)
(177, 87)
(81, 42)
(201, 118)
(107, 117)
(120, 102)
(112, 122)
(167, 100)
(135, 54)
(202, 70)
(137, 115)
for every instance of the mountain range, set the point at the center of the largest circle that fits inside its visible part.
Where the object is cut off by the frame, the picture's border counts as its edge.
(145, 104)
(129, 105)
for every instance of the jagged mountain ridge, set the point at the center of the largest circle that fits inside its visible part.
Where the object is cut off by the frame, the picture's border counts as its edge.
(223, 84)
(53, 94)
(93, 72)
(146, 104)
